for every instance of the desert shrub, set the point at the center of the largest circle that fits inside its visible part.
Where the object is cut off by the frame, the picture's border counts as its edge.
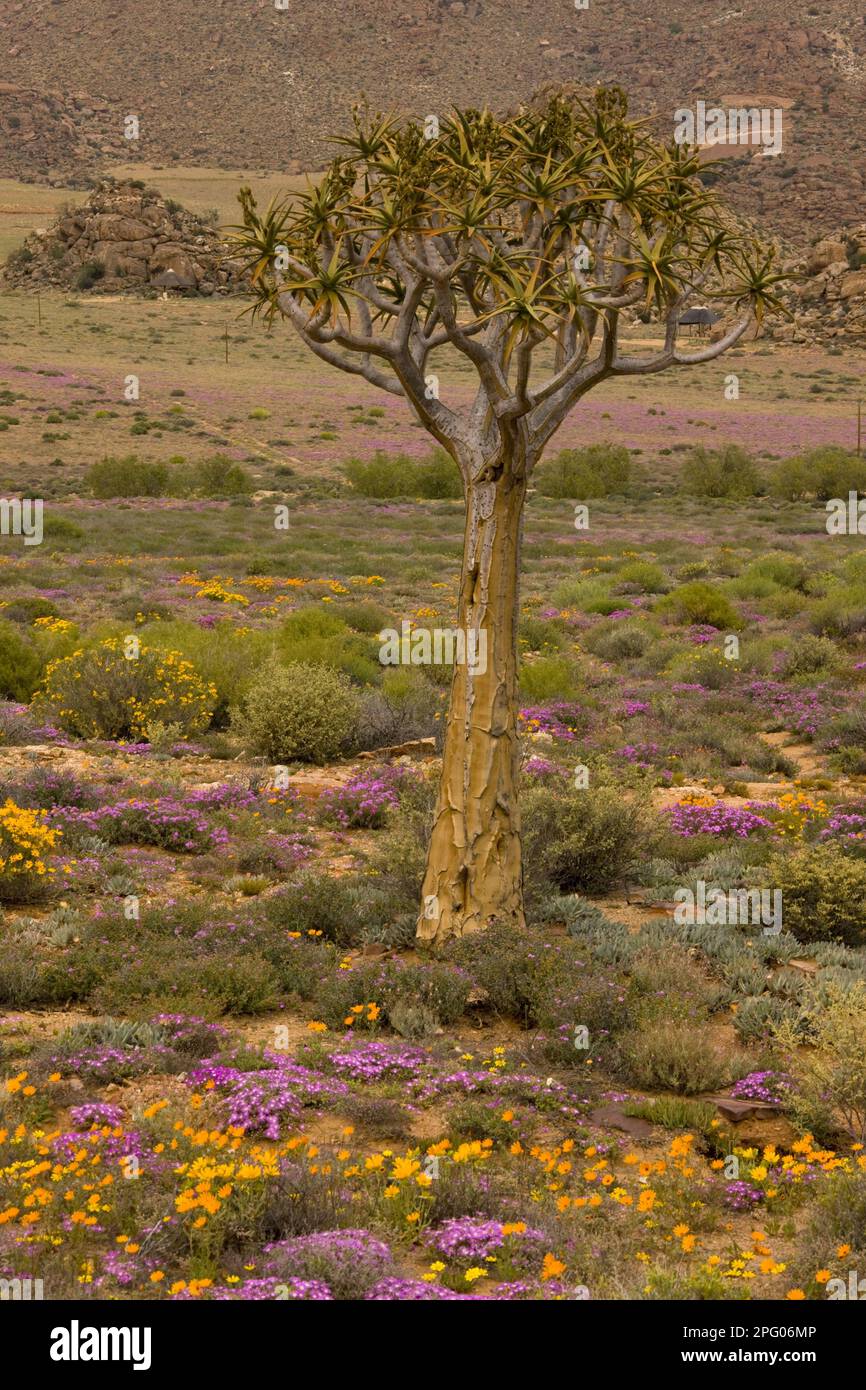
(757, 1014)
(702, 1285)
(398, 475)
(642, 576)
(317, 903)
(545, 984)
(244, 984)
(548, 678)
(349, 1262)
(437, 989)
(846, 735)
(225, 656)
(27, 610)
(97, 692)
(219, 476)
(841, 612)
(823, 893)
(537, 635)
(579, 841)
(16, 725)
(363, 616)
(699, 602)
(379, 1115)
(26, 843)
(831, 1070)
(825, 472)
(317, 637)
(87, 275)
(665, 982)
(725, 472)
(676, 1057)
(787, 571)
(404, 707)
(619, 641)
(46, 787)
(834, 1222)
(809, 655)
(299, 712)
(20, 664)
(435, 986)
(505, 963)
(707, 666)
(400, 853)
(127, 477)
(596, 470)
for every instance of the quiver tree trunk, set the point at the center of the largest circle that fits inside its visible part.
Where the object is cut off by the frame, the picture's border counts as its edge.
(473, 875)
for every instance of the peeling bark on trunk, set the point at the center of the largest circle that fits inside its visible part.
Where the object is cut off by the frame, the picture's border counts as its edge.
(474, 874)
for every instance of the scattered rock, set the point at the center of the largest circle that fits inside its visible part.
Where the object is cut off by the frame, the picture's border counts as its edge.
(614, 1117)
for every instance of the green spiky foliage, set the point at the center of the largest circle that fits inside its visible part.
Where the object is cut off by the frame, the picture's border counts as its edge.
(498, 236)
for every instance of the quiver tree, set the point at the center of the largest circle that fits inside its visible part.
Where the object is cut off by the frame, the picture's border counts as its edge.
(516, 243)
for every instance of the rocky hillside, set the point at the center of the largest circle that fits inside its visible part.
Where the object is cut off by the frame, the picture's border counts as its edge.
(52, 137)
(125, 237)
(240, 85)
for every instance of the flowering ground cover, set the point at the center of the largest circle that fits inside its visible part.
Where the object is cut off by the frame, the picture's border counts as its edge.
(225, 1070)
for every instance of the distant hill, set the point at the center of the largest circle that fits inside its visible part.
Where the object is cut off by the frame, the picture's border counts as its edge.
(237, 83)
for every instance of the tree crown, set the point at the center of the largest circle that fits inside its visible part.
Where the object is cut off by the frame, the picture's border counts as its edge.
(501, 237)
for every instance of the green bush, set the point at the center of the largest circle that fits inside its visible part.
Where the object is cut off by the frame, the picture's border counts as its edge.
(836, 1217)
(20, 664)
(27, 610)
(88, 275)
(579, 841)
(548, 678)
(217, 476)
(831, 1070)
(127, 477)
(398, 475)
(596, 470)
(299, 712)
(619, 641)
(788, 571)
(809, 655)
(642, 576)
(699, 602)
(404, 707)
(225, 656)
(317, 903)
(725, 472)
(677, 1057)
(102, 692)
(318, 637)
(823, 893)
(822, 473)
(437, 989)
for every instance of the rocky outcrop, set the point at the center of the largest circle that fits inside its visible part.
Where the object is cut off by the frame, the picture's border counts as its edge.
(828, 297)
(124, 238)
